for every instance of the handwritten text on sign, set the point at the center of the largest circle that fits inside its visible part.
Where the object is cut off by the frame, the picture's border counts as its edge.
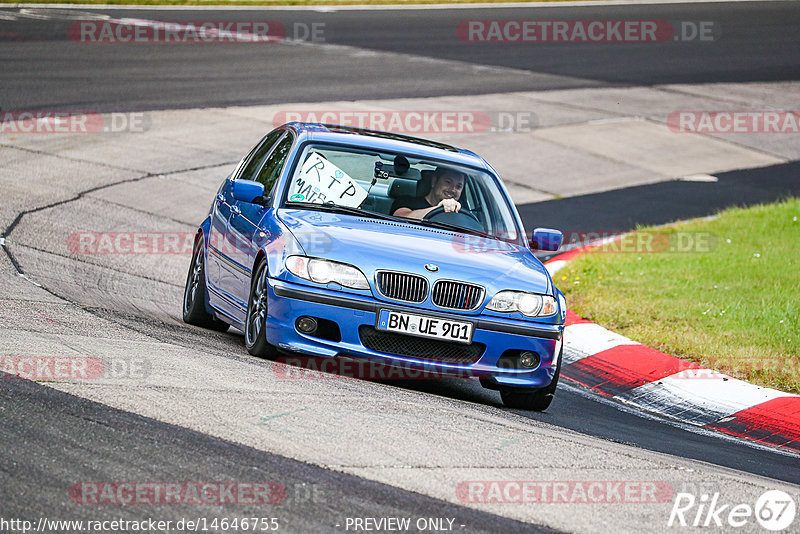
(320, 181)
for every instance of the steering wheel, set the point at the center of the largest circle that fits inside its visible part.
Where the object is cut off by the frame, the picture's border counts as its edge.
(462, 218)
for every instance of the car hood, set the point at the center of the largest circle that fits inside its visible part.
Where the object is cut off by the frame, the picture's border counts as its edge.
(373, 244)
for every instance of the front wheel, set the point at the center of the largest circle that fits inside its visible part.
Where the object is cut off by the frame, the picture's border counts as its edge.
(194, 295)
(538, 399)
(255, 324)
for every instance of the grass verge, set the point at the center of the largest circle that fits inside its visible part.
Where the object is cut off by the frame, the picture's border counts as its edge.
(723, 292)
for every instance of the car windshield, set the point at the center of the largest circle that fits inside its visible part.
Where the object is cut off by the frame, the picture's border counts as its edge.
(376, 183)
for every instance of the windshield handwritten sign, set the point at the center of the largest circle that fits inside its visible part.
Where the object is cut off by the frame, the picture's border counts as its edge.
(320, 181)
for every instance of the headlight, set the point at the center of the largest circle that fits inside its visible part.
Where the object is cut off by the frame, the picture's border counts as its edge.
(528, 304)
(324, 272)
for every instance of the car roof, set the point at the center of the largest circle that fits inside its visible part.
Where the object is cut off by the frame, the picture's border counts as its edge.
(347, 135)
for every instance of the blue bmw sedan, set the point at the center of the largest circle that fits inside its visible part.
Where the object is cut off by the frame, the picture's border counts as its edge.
(343, 243)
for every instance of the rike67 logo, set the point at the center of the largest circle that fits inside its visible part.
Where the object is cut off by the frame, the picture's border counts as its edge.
(774, 510)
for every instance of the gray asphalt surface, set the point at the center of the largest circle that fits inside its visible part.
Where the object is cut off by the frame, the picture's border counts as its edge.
(53, 441)
(43, 69)
(574, 408)
(663, 202)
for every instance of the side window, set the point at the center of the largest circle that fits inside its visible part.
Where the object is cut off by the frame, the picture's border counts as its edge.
(239, 166)
(483, 209)
(258, 155)
(274, 165)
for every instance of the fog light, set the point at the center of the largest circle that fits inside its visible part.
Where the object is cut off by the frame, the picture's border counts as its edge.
(528, 359)
(307, 325)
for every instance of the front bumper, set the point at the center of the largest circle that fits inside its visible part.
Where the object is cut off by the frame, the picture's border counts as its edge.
(288, 301)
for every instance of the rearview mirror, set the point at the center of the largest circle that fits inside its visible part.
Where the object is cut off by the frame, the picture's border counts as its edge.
(247, 190)
(546, 239)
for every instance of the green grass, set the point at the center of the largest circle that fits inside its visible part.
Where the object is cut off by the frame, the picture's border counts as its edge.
(731, 304)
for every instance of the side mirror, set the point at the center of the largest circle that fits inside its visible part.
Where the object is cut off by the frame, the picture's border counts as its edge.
(546, 239)
(247, 190)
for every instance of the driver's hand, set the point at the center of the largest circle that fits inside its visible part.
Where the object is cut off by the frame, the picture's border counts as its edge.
(450, 204)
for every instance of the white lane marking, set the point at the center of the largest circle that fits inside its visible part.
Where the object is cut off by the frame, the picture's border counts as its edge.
(699, 178)
(40, 13)
(699, 396)
(33, 14)
(554, 266)
(614, 120)
(587, 339)
(25, 277)
(64, 14)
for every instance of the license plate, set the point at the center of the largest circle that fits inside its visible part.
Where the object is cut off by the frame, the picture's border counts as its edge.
(425, 326)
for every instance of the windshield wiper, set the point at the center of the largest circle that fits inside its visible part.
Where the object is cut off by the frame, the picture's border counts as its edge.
(455, 227)
(335, 208)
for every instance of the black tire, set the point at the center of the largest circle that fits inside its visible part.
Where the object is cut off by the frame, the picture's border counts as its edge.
(538, 399)
(255, 338)
(194, 295)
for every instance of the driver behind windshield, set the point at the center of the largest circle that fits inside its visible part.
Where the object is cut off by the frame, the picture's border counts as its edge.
(446, 187)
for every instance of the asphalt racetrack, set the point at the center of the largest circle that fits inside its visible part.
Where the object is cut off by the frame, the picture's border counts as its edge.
(752, 42)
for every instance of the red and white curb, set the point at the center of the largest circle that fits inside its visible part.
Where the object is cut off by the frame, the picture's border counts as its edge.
(615, 366)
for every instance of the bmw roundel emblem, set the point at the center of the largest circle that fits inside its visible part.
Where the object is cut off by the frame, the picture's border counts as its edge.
(432, 268)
